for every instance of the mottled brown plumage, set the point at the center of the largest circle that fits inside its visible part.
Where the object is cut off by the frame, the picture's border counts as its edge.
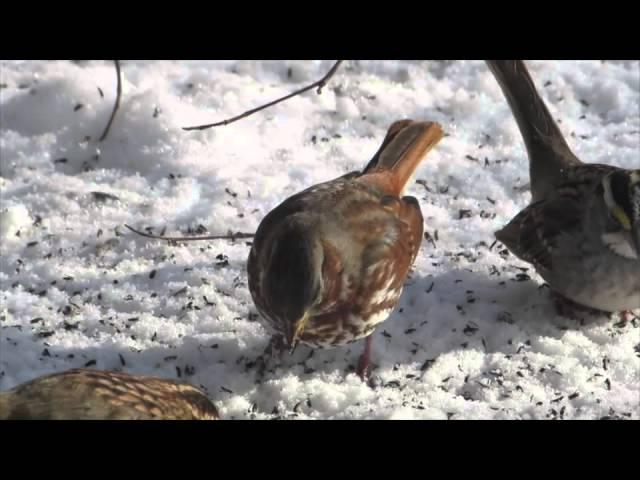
(328, 264)
(84, 394)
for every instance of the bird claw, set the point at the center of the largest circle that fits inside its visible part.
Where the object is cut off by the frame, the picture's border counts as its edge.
(363, 370)
(626, 316)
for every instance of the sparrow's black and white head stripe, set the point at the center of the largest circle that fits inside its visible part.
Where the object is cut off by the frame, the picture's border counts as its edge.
(618, 193)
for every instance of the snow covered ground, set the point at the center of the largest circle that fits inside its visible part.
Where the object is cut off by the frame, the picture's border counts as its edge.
(474, 336)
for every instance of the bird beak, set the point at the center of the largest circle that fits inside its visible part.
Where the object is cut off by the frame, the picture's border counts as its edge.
(294, 334)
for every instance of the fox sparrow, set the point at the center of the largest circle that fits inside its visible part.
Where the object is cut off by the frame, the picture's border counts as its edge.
(328, 264)
(84, 394)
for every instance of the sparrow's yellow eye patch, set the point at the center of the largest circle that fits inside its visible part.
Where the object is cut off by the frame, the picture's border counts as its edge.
(621, 217)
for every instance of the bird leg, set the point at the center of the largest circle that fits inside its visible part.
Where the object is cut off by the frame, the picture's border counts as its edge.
(365, 359)
(626, 316)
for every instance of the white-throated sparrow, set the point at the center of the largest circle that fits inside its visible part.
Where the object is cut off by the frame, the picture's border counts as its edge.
(582, 230)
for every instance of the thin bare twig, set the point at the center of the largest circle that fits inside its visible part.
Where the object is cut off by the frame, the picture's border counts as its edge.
(320, 84)
(232, 236)
(117, 104)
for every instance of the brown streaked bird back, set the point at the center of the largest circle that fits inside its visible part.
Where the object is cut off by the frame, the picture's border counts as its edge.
(86, 394)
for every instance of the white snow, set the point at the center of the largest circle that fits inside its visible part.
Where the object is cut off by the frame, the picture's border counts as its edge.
(467, 341)
(12, 219)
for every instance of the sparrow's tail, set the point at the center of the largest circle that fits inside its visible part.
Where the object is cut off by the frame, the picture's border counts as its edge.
(406, 144)
(547, 148)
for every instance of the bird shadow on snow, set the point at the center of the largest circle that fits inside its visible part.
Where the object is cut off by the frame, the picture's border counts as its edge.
(462, 309)
(457, 310)
(437, 315)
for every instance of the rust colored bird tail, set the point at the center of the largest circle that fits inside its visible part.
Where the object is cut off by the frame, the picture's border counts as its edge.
(406, 144)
